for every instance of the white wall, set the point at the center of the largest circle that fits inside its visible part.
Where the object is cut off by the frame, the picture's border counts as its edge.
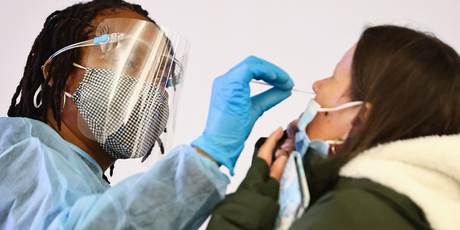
(306, 38)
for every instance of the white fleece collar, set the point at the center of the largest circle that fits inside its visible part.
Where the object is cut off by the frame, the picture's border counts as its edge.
(426, 169)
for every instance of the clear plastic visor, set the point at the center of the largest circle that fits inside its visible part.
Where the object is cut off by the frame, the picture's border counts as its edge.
(155, 57)
(139, 49)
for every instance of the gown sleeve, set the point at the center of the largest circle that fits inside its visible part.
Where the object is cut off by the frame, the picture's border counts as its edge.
(45, 185)
(178, 192)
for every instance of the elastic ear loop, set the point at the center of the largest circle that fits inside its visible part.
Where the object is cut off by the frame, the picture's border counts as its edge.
(40, 89)
(333, 143)
(68, 94)
(95, 41)
(65, 97)
(344, 106)
(78, 66)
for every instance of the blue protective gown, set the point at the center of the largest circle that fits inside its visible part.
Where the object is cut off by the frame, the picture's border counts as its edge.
(48, 183)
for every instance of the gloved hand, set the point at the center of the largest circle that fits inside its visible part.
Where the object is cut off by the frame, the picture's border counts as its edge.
(233, 112)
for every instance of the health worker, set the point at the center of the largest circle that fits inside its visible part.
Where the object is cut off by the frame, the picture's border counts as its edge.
(102, 83)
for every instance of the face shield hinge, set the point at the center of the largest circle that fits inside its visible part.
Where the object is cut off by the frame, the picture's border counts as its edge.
(102, 38)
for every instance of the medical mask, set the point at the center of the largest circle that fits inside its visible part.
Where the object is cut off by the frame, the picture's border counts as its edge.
(125, 115)
(302, 141)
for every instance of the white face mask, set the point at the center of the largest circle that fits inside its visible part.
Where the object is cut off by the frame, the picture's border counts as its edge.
(302, 142)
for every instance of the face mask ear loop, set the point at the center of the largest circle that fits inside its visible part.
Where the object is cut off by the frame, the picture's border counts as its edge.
(65, 96)
(344, 106)
(333, 149)
(68, 94)
(78, 66)
(35, 97)
(333, 143)
(40, 89)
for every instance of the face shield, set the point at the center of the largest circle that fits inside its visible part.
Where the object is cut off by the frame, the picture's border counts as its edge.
(128, 98)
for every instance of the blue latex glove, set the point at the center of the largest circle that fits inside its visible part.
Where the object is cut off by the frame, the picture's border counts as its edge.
(233, 112)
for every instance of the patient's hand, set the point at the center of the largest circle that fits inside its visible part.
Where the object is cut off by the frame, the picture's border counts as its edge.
(265, 152)
(289, 143)
(292, 129)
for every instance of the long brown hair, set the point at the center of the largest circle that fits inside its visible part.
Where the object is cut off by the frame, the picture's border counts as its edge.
(412, 80)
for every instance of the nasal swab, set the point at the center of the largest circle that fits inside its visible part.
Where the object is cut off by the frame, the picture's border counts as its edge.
(295, 90)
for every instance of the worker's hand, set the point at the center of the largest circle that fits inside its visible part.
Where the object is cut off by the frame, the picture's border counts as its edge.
(233, 112)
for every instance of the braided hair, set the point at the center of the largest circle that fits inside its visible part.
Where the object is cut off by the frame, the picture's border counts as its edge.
(61, 28)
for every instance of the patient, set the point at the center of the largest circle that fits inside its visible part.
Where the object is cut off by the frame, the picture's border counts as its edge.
(397, 168)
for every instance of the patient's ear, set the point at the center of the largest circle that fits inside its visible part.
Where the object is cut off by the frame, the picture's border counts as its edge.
(360, 119)
(365, 111)
(45, 69)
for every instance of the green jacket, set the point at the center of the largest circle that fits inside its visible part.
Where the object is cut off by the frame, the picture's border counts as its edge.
(335, 204)
(253, 206)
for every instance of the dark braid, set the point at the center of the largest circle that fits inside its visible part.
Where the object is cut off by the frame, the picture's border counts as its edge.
(61, 28)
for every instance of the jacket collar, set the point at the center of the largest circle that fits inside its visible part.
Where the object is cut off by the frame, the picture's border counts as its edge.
(426, 169)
